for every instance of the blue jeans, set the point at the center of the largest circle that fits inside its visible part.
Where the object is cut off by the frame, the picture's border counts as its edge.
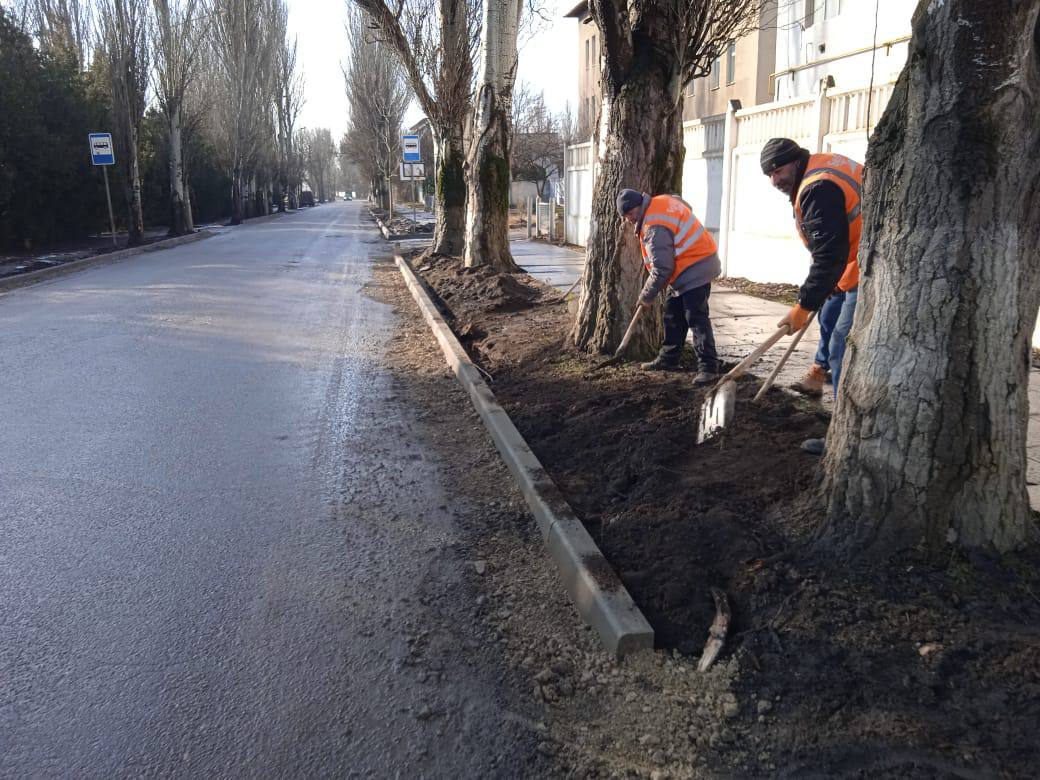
(836, 347)
(826, 319)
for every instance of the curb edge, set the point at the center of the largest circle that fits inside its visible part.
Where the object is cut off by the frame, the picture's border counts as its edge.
(594, 587)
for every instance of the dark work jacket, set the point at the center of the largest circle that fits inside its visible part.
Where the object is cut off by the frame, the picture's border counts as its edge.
(825, 226)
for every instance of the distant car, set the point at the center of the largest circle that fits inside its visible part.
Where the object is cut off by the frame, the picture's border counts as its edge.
(348, 197)
(306, 198)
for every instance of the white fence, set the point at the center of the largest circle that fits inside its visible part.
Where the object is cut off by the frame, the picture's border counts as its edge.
(723, 181)
(579, 179)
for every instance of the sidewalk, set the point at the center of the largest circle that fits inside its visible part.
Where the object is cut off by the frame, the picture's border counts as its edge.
(556, 265)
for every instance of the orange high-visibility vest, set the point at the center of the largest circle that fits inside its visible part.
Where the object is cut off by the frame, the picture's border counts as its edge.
(848, 175)
(692, 242)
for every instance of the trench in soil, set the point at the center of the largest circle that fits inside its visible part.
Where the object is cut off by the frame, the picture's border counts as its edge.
(910, 655)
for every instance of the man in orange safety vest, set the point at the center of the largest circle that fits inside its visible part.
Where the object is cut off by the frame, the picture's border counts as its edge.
(680, 254)
(824, 190)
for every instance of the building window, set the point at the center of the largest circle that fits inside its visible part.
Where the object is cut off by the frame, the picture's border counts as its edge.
(831, 8)
(731, 62)
(595, 52)
(716, 70)
(587, 42)
(810, 14)
(689, 88)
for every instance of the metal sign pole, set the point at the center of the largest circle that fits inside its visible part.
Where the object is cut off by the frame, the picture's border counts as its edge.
(108, 197)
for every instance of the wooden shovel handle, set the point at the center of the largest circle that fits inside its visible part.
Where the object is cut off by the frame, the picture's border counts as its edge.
(742, 366)
(794, 343)
(628, 333)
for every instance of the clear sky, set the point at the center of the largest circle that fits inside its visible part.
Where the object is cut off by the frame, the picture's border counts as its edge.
(548, 60)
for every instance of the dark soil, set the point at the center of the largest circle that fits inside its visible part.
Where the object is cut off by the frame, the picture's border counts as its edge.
(912, 668)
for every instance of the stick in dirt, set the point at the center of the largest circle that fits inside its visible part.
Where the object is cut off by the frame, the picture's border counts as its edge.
(717, 632)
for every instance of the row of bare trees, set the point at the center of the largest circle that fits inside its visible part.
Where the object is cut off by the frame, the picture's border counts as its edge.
(223, 73)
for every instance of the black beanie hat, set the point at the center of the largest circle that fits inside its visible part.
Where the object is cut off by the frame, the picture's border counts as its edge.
(628, 200)
(780, 151)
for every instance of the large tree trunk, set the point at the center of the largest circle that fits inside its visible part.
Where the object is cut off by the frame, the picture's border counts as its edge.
(180, 210)
(641, 148)
(236, 196)
(487, 206)
(135, 223)
(928, 440)
(449, 236)
(449, 127)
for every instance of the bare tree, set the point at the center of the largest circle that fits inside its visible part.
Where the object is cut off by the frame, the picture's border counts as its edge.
(59, 25)
(123, 36)
(288, 91)
(378, 96)
(928, 442)
(537, 145)
(434, 41)
(319, 155)
(651, 48)
(245, 43)
(177, 38)
(487, 205)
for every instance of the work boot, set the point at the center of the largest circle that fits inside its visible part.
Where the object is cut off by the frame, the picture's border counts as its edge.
(661, 363)
(812, 383)
(814, 446)
(704, 377)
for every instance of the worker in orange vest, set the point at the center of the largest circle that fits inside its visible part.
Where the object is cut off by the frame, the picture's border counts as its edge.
(825, 192)
(680, 254)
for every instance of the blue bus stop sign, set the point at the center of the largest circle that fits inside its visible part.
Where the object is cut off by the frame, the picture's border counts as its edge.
(101, 151)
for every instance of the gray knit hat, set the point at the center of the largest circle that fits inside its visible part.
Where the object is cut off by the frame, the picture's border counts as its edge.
(780, 151)
(628, 200)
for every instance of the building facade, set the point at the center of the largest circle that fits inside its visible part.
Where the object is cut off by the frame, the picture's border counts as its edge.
(832, 44)
(590, 92)
(742, 72)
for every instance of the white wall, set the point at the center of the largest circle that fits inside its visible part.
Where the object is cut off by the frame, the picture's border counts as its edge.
(702, 169)
(578, 193)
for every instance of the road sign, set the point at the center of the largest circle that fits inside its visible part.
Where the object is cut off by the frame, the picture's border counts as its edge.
(413, 171)
(101, 151)
(410, 149)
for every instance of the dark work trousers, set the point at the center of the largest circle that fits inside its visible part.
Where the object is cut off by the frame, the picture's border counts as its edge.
(687, 312)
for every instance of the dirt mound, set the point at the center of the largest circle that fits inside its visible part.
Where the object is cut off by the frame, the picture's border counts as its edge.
(470, 292)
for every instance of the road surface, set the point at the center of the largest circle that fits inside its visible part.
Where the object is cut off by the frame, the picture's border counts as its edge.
(220, 534)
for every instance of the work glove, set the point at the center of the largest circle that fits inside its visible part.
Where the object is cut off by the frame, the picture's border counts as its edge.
(795, 319)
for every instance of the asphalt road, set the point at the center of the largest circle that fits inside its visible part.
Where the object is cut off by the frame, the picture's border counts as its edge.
(219, 532)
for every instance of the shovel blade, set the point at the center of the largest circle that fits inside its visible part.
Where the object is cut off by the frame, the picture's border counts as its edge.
(718, 411)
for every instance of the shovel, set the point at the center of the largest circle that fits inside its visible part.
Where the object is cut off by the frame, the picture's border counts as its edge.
(612, 361)
(773, 374)
(721, 403)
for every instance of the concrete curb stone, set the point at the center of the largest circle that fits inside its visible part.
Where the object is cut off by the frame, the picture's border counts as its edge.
(601, 598)
(25, 280)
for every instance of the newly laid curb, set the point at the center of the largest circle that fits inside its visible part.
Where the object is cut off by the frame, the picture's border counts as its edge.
(24, 280)
(590, 580)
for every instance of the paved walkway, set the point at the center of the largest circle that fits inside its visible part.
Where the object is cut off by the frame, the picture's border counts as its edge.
(556, 265)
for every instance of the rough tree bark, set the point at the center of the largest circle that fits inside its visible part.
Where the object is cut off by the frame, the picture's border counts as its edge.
(181, 221)
(449, 129)
(487, 175)
(640, 147)
(928, 440)
(123, 37)
(651, 49)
